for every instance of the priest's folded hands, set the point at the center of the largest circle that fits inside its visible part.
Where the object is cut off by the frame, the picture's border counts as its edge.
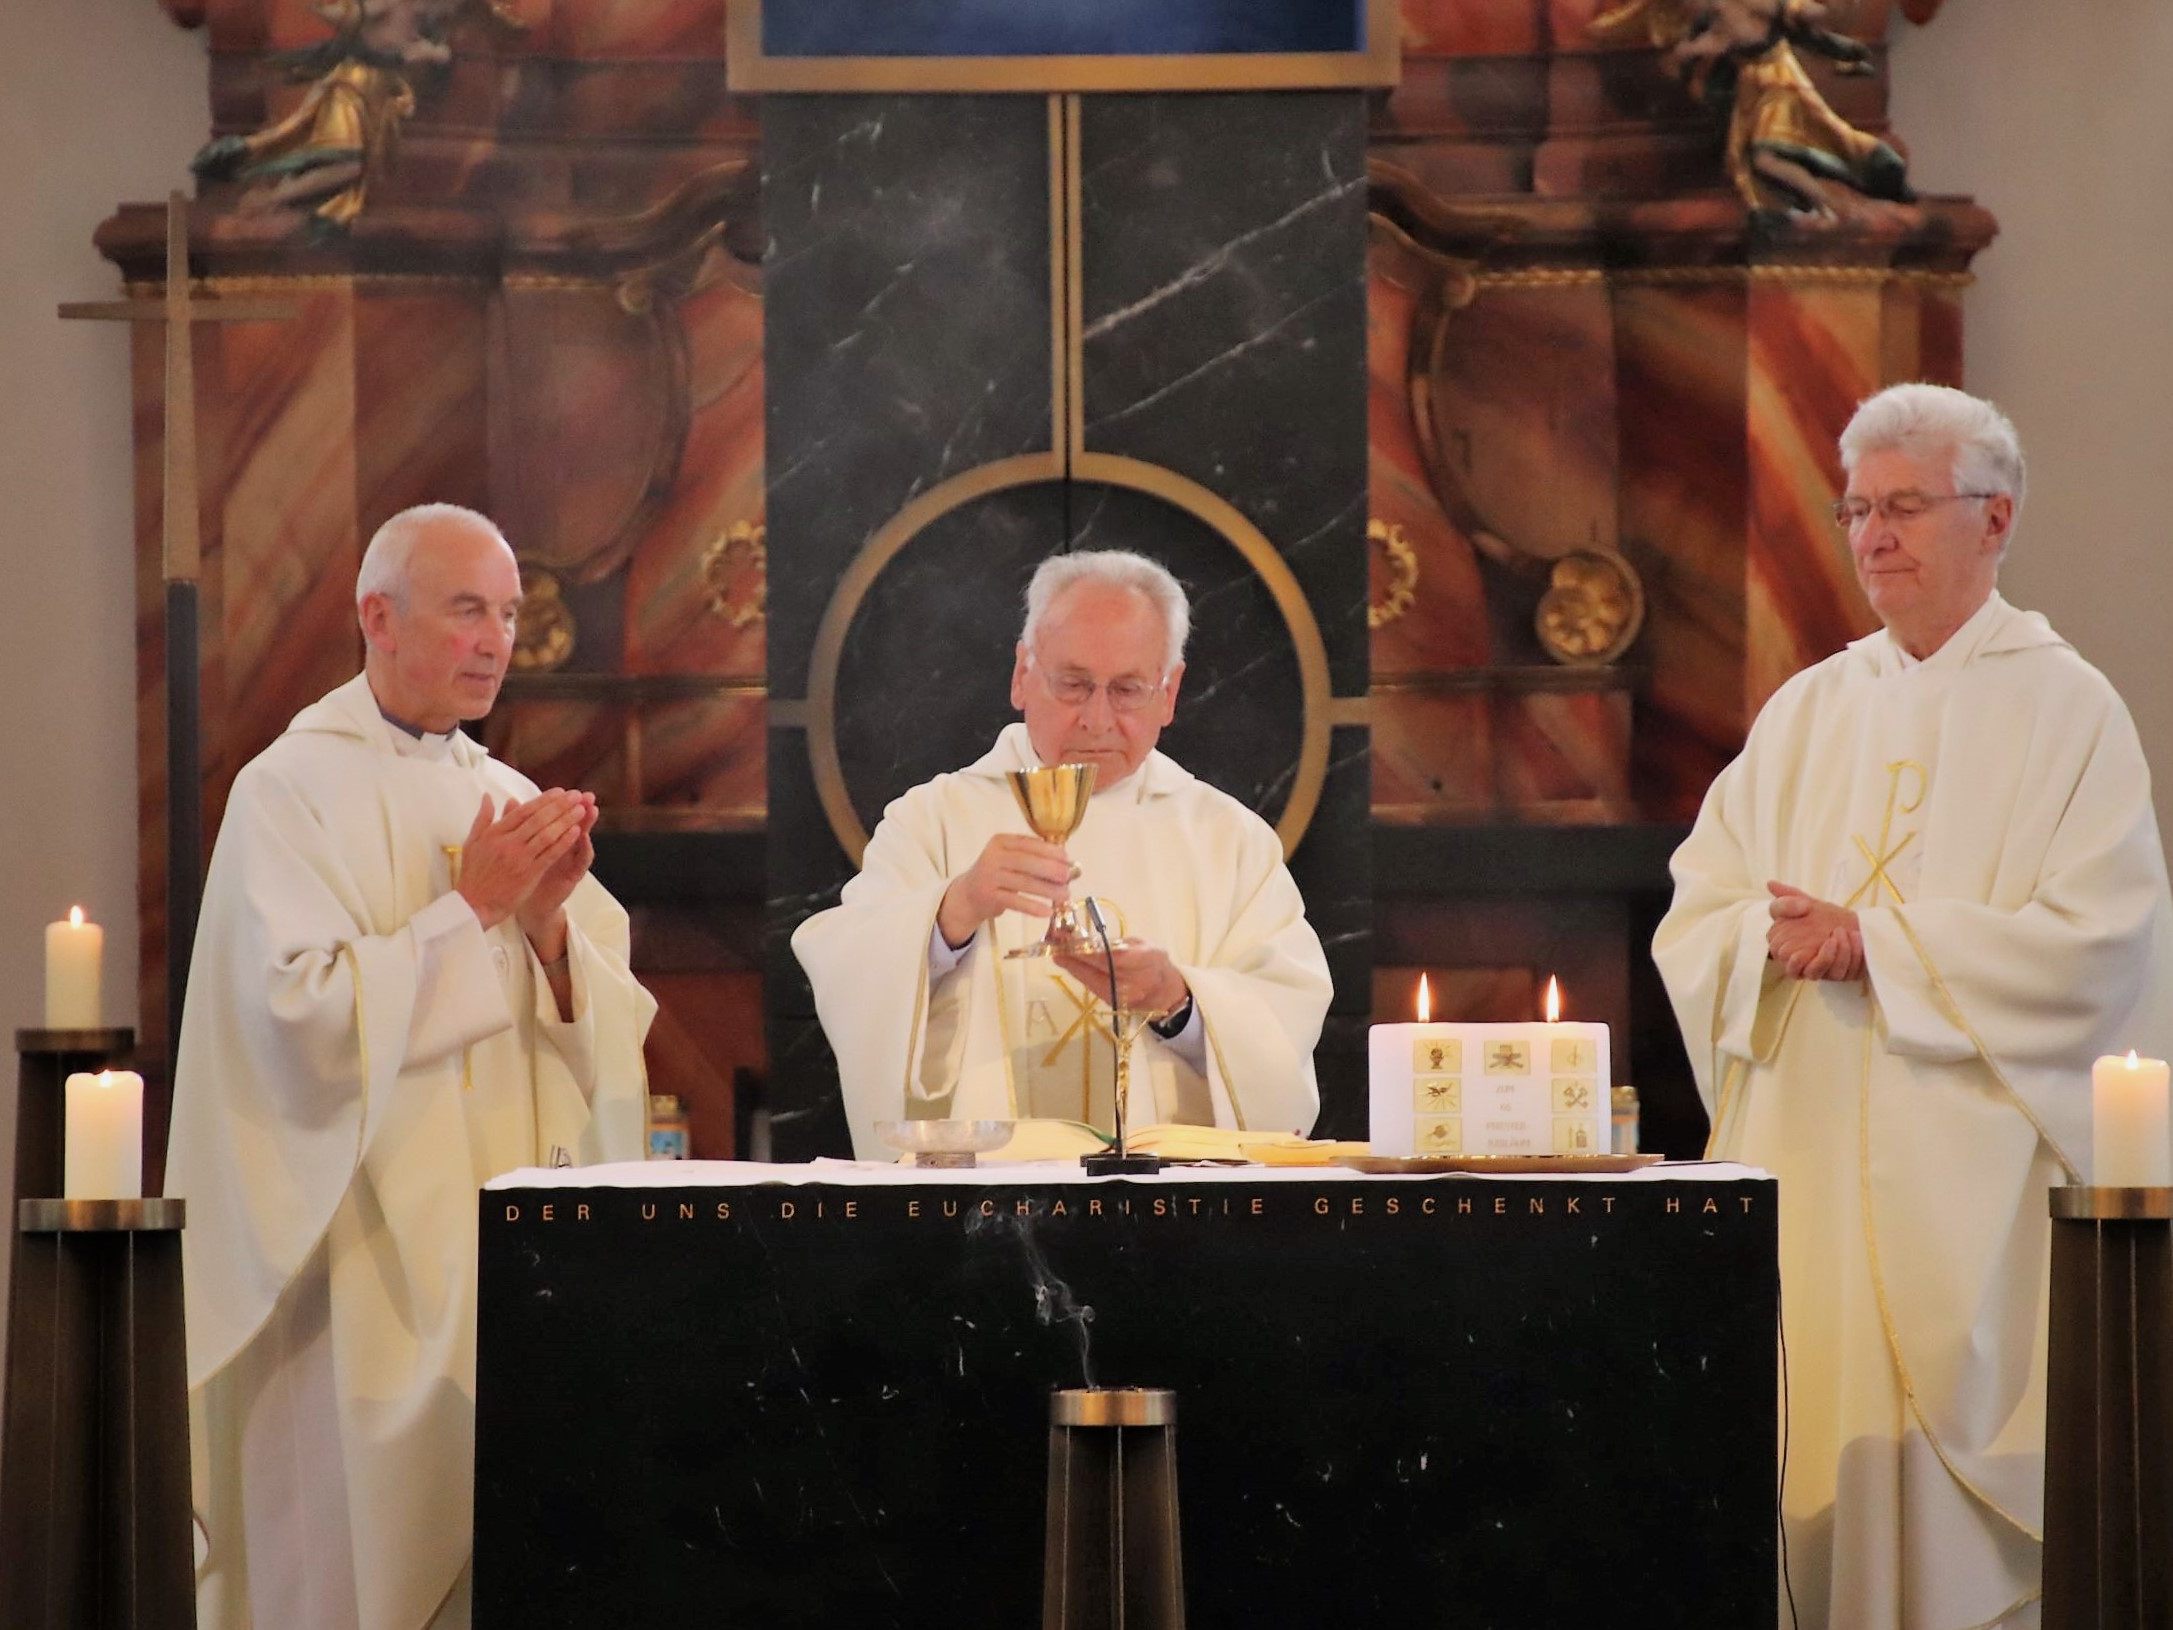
(1811, 938)
(529, 852)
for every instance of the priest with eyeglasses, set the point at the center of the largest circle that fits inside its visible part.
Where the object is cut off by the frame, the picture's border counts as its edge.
(1926, 897)
(927, 1016)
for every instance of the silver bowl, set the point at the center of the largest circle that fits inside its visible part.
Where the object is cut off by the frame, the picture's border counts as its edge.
(944, 1143)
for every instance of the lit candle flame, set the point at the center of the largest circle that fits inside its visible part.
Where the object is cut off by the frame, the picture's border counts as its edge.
(1554, 1000)
(1426, 1002)
(2132, 1061)
(75, 916)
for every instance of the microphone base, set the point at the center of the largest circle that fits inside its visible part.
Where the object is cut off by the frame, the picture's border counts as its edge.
(1111, 1164)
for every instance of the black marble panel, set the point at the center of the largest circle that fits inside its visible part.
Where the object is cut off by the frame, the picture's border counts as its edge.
(924, 684)
(908, 341)
(906, 321)
(1422, 1401)
(1225, 319)
(805, 870)
(1238, 715)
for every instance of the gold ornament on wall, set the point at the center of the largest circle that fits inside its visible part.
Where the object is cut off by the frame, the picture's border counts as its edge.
(742, 551)
(340, 137)
(1592, 610)
(546, 635)
(1788, 152)
(1402, 574)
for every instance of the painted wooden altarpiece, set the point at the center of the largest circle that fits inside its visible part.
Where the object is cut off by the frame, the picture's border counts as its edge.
(1618, 274)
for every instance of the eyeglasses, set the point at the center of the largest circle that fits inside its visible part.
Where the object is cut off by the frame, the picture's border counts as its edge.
(1125, 695)
(1851, 513)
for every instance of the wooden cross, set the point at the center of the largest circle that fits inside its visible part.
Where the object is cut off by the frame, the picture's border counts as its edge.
(180, 557)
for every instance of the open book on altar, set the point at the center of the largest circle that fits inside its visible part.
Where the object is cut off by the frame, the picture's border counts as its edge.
(1067, 1140)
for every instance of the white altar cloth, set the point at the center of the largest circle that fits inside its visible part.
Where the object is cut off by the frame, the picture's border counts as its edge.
(732, 1174)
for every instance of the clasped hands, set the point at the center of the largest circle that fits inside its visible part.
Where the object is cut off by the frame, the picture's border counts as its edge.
(1019, 873)
(524, 860)
(1813, 939)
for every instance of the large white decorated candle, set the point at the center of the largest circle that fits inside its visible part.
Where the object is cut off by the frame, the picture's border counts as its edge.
(2131, 1143)
(1535, 1088)
(74, 954)
(102, 1139)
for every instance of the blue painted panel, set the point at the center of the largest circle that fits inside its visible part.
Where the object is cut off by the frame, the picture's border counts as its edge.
(1016, 28)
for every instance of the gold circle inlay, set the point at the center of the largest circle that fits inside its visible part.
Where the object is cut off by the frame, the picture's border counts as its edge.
(1093, 469)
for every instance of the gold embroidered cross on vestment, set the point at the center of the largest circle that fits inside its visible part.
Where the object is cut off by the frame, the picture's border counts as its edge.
(1878, 880)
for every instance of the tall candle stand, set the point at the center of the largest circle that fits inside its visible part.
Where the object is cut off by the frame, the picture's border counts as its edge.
(94, 1443)
(46, 1058)
(2109, 1410)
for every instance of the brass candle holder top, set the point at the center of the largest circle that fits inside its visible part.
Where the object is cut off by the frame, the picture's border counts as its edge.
(2083, 1202)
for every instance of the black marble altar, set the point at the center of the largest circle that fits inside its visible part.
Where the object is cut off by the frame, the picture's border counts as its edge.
(909, 342)
(1497, 1403)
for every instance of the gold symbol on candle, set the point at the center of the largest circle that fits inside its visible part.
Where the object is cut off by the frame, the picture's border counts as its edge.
(1573, 1054)
(1441, 1136)
(1437, 1056)
(1438, 1094)
(1572, 1135)
(1508, 1058)
(1572, 1096)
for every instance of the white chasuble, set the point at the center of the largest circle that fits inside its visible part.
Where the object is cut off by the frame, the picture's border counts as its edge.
(1987, 814)
(1062, 1050)
(357, 1057)
(1188, 868)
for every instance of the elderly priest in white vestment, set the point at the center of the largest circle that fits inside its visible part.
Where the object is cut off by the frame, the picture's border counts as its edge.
(369, 1037)
(1928, 894)
(926, 1016)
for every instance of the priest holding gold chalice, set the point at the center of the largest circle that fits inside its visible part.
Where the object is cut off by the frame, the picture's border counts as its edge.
(962, 974)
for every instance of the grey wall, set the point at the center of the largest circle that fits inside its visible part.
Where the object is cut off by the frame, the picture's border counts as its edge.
(100, 100)
(2059, 119)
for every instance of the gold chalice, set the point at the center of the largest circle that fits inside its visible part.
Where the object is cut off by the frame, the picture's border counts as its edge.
(1053, 799)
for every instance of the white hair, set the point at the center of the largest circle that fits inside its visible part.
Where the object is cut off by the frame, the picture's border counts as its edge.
(1927, 420)
(1119, 568)
(392, 546)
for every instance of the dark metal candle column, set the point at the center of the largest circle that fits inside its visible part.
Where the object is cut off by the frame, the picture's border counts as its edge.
(1112, 1557)
(94, 1456)
(2109, 1411)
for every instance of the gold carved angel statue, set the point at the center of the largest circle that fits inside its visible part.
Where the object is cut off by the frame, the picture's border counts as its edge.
(1788, 152)
(340, 136)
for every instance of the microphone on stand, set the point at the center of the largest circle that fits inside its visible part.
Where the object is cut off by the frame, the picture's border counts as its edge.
(1118, 1159)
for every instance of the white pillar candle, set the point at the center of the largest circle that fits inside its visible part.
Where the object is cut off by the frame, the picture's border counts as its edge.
(103, 1139)
(74, 954)
(1488, 1089)
(2131, 1144)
